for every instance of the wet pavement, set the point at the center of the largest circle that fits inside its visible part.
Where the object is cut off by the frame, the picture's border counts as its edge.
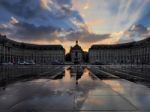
(77, 89)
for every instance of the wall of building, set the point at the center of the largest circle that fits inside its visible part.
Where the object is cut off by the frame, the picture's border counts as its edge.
(76, 54)
(11, 51)
(79, 56)
(130, 53)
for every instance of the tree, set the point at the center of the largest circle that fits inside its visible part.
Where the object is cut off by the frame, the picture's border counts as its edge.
(68, 57)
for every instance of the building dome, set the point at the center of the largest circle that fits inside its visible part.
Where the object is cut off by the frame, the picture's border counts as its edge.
(76, 47)
(76, 54)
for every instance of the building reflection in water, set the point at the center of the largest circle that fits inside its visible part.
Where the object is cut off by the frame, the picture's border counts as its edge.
(9, 74)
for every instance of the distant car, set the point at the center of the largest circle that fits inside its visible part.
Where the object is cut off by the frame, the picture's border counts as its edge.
(31, 63)
(21, 63)
(57, 63)
(26, 63)
(97, 63)
(7, 63)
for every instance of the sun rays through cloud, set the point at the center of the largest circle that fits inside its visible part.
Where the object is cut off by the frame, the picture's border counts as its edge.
(64, 21)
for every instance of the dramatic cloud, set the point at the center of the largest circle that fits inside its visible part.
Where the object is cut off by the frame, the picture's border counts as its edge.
(85, 37)
(135, 33)
(55, 13)
(64, 21)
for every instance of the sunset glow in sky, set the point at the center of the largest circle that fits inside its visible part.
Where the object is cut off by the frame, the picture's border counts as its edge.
(65, 21)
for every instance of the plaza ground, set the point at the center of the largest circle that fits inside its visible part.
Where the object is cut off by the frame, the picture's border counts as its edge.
(72, 89)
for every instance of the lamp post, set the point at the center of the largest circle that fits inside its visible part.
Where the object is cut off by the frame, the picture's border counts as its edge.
(142, 58)
(131, 57)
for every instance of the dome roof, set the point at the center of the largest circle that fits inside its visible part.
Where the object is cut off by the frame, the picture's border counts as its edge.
(76, 47)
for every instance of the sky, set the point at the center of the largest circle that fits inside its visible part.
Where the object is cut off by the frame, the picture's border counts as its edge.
(65, 21)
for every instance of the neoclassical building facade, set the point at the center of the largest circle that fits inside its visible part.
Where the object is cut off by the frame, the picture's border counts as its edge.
(76, 54)
(12, 51)
(127, 53)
